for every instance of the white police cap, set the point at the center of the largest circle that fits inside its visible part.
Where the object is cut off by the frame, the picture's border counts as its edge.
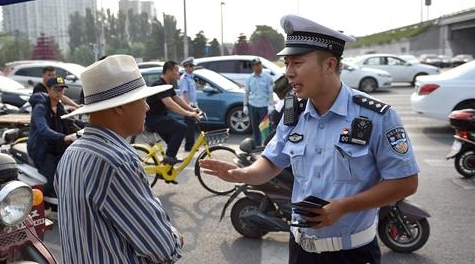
(189, 61)
(304, 35)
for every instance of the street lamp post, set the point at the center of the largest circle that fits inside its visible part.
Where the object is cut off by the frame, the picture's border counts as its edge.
(185, 40)
(222, 43)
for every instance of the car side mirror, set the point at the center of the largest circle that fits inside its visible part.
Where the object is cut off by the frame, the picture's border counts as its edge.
(408, 64)
(71, 78)
(209, 89)
(30, 82)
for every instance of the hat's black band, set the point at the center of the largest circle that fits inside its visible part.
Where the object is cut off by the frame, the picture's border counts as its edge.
(315, 40)
(114, 92)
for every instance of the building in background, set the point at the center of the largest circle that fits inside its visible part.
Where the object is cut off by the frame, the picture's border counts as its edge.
(50, 17)
(138, 7)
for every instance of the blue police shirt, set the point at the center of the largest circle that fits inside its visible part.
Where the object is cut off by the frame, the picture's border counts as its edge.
(188, 85)
(326, 168)
(259, 88)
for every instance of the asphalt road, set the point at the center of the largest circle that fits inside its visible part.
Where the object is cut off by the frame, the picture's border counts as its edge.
(442, 192)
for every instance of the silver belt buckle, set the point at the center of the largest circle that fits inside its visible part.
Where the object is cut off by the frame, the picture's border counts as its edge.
(307, 243)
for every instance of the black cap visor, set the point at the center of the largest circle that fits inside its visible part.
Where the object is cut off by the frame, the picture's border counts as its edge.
(295, 51)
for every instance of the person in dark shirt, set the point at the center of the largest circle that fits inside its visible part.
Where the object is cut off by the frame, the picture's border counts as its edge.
(49, 135)
(158, 120)
(48, 73)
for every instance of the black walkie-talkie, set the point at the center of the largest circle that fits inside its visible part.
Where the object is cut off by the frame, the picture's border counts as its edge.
(291, 117)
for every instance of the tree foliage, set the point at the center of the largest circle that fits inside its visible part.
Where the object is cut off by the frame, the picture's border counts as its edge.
(266, 41)
(14, 47)
(214, 48)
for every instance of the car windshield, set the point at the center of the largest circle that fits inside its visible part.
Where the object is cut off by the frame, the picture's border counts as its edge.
(217, 79)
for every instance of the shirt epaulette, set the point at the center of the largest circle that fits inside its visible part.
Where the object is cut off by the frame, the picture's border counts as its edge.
(370, 103)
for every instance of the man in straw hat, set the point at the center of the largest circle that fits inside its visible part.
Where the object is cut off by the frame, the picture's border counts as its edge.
(107, 211)
(344, 147)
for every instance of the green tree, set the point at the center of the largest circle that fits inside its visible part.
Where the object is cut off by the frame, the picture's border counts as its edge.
(276, 39)
(199, 44)
(170, 34)
(155, 41)
(144, 27)
(214, 49)
(14, 47)
(90, 34)
(122, 36)
(242, 47)
(76, 30)
(133, 25)
(137, 49)
(82, 55)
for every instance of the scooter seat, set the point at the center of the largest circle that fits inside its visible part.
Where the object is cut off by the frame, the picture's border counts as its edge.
(20, 152)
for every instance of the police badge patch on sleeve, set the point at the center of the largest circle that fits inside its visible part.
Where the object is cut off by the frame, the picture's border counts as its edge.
(397, 138)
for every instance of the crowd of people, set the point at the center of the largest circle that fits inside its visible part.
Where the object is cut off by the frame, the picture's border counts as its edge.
(340, 148)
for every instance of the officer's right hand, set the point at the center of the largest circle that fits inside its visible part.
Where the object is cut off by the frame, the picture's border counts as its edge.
(245, 110)
(225, 171)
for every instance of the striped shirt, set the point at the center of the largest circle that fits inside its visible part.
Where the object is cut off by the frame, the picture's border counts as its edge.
(107, 211)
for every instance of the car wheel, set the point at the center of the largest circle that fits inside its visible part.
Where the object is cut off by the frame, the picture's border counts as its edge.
(465, 105)
(237, 121)
(417, 75)
(368, 85)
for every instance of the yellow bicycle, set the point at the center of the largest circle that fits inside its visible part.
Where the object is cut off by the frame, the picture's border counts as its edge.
(152, 155)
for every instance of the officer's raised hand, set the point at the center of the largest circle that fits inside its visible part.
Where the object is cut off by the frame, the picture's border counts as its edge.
(225, 171)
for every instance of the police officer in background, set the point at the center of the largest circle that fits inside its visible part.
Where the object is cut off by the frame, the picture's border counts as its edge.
(188, 93)
(344, 147)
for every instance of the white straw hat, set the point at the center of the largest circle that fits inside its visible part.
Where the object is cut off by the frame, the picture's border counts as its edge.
(112, 82)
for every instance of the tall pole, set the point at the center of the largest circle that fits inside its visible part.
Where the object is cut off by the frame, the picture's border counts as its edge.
(422, 10)
(165, 42)
(222, 42)
(185, 40)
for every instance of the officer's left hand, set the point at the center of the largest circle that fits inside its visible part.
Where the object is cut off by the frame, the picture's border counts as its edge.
(326, 215)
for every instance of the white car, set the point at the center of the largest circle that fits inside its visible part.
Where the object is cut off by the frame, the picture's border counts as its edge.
(238, 67)
(28, 73)
(365, 79)
(400, 70)
(13, 92)
(435, 96)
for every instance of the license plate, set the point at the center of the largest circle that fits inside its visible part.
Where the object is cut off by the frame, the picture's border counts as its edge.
(456, 146)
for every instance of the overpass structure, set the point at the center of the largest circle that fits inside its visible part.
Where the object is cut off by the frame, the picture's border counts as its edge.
(447, 35)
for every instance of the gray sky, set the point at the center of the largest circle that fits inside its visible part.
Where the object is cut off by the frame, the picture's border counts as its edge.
(354, 17)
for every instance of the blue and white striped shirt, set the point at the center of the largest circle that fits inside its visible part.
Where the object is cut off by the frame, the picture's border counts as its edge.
(107, 211)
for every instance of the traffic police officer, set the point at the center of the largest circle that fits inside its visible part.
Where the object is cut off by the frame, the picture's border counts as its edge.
(188, 92)
(345, 147)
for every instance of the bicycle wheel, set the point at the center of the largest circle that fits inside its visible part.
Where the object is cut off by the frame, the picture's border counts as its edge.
(213, 183)
(151, 161)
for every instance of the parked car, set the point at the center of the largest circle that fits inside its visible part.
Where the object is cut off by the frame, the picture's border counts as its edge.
(365, 79)
(400, 70)
(13, 92)
(150, 64)
(238, 67)
(445, 61)
(461, 59)
(218, 97)
(410, 58)
(31, 72)
(435, 96)
(431, 59)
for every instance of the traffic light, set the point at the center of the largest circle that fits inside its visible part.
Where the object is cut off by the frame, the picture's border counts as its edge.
(428, 2)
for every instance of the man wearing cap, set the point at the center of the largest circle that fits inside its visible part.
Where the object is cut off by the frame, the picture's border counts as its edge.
(258, 99)
(346, 148)
(49, 135)
(107, 211)
(47, 73)
(188, 93)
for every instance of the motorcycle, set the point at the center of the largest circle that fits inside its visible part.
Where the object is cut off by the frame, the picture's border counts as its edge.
(15, 144)
(403, 226)
(463, 147)
(22, 219)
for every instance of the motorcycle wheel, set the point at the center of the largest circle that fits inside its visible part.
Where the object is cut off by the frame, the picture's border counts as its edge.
(241, 208)
(465, 163)
(392, 235)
